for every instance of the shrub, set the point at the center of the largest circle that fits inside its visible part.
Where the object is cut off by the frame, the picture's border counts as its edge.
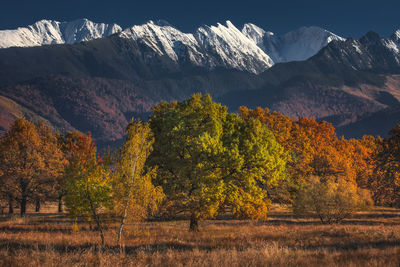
(331, 200)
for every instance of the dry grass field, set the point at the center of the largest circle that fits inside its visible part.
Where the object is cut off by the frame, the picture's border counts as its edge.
(49, 239)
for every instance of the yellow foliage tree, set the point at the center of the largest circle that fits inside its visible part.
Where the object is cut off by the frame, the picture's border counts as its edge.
(134, 195)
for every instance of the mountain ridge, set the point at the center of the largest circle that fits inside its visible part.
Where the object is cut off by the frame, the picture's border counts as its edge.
(223, 45)
(47, 32)
(99, 85)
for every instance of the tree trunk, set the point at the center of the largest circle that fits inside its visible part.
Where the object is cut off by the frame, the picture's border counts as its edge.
(194, 224)
(60, 205)
(96, 217)
(10, 205)
(121, 226)
(37, 207)
(23, 206)
(128, 200)
(99, 227)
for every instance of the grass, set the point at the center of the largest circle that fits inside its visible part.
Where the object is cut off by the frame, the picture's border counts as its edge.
(48, 239)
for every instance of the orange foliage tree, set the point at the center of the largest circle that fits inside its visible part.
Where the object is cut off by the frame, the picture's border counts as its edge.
(30, 161)
(386, 179)
(315, 150)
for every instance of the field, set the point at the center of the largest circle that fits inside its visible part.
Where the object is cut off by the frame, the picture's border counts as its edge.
(50, 239)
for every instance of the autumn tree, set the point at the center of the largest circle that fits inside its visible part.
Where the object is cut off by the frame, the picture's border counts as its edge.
(88, 183)
(30, 161)
(254, 161)
(332, 201)
(134, 195)
(204, 155)
(313, 149)
(386, 180)
(73, 145)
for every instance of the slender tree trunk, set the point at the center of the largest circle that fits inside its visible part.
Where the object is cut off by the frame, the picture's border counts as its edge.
(10, 205)
(100, 229)
(37, 207)
(121, 226)
(128, 200)
(96, 217)
(23, 205)
(60, 205)
(194, 223)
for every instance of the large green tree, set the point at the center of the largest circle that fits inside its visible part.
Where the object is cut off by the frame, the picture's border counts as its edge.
(208, 159)
(255, 161)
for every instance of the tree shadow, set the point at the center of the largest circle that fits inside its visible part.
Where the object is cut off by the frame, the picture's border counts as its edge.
(162, 247)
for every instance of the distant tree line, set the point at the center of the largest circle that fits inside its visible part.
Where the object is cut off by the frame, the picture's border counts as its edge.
(195, 158)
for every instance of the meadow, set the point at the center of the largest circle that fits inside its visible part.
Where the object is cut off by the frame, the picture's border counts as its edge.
(48, 238)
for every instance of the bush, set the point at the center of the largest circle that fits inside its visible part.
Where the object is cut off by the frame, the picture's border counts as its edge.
(331, 200)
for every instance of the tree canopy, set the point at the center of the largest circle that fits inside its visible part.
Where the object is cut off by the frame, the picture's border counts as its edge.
(30, 161)
(207, 159)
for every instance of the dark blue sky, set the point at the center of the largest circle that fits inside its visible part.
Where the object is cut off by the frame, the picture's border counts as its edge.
(346, 18)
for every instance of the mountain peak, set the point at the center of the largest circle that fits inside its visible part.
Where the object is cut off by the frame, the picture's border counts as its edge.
(45, 32)
(396, 35)
(160, 22)
(229, 24)
(370, 38)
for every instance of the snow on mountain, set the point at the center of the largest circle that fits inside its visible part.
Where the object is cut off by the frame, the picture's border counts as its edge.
(210, 46)
(164, 39)
(393, 43)
(233, 48)
(370, 52)
(54, 32)
(251, 49)
(296, 45)
(86, 30)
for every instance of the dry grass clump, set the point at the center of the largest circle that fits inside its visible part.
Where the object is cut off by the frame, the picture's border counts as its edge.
(368, 239)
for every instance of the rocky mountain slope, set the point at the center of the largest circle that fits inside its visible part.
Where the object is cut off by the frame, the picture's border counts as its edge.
(251, 49)
(99, 85)
(297, 45)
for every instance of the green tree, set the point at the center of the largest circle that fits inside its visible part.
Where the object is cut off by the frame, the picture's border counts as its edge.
(73, 145)
(188, 151)
(30, 161)
(88, 183)
(331, 200)
(255, 161)
(134, 195)
(204, 155)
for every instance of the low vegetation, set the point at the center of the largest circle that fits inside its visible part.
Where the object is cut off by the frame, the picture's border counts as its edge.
(194, 160)
(49, 239)
(331, 201)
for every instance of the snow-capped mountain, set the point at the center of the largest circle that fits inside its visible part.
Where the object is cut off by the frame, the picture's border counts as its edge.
(297, 45)
(97, 86)
(393, 43)
(46, 32)
(370, 52)
(251, 49)
(209, 46)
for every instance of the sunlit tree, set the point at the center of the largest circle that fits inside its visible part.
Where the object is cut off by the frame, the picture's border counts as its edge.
(30, 161)
(134, 195)
(88, 183)
(207, 159)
